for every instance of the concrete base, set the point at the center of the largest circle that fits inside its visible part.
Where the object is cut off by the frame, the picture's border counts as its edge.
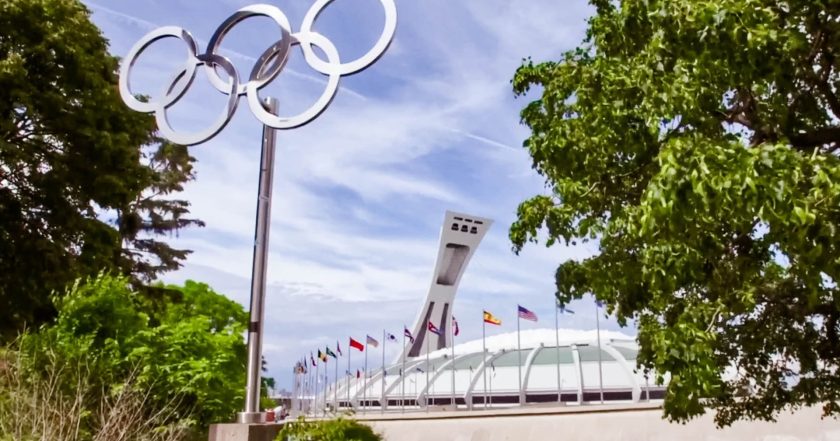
(640, 422)
(244, 432)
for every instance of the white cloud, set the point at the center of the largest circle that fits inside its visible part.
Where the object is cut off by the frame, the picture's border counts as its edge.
(359, 194)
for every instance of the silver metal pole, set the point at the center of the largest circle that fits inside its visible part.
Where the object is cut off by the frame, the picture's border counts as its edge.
(519, 353)
(382, 382)
(252, 413)
(315, 390)
(364, 380)
(452, 333)
(557, 343)
(600, 370)
(484, 363)
(349, 375)
(335, 385)
(491, 385)
(402, 374)
(426, 396)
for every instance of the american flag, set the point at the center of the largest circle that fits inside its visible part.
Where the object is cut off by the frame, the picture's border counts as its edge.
(526, 314)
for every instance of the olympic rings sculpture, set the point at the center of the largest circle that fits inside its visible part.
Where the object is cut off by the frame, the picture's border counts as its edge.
(266, 69)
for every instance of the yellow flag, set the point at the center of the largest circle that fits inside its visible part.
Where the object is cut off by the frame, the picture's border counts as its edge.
(490, 318)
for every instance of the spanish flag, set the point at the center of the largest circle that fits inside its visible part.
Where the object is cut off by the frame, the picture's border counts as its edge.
(490, 318)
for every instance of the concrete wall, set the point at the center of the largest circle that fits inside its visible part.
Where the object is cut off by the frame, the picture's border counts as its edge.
(601, 423)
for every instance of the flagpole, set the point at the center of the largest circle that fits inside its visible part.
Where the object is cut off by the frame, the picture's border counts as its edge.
(519, 353)
(335, 386)
(491, 383)
(364, 381)
(402, 374)
(302, 377)
(484, 363)
(600, 370)
(315, 390)
(349, 354)
(294, 387)
(452, 332)
(326, 384)
(382, 395)
(426, 397)
(557, 343)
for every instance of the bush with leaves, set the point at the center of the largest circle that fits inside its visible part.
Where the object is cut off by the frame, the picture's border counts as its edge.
(339, 429)
(186, 357)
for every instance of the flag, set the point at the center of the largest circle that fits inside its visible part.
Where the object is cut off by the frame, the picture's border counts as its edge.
(391, 337)
(407, 333)
(312, 359)
(338, 348)
(357, 345)
(455, 329)
(322, 356)
(358, 374)
(433, 329)
(564, 310)
(330, 353)
(524, 313)
(420, 370)
(490, 318)
(372, 342)
(599, 303)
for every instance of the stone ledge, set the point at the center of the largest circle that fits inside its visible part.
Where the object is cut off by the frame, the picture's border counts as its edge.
(244, 432)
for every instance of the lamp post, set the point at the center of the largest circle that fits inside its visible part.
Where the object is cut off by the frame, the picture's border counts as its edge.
(267, 67)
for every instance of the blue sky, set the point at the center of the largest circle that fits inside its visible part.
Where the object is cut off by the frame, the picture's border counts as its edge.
(359, 194)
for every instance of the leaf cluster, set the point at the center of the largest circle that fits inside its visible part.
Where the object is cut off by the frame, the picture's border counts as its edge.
(697, 143)
(72, 155)
(190, 352)
(339, 429)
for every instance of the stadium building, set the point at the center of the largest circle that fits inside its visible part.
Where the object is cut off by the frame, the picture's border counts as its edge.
(566, 367)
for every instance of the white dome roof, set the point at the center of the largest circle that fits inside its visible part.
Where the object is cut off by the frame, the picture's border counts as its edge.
(476, 378)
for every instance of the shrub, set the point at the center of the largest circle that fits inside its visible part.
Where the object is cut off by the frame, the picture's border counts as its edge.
(339, 429)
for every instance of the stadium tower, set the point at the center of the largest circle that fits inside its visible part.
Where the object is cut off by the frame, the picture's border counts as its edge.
(459, 238)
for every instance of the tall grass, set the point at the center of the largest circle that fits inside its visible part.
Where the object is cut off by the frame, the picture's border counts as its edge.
(55, 399)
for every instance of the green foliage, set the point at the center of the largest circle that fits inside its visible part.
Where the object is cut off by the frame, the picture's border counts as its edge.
(71, 154)
(339, 429)
(189, 356)
(697, 142)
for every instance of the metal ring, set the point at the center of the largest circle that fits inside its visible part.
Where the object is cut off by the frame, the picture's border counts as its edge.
(270, 63)
(280, 122)
(262, 73)
(162, 118)
(128, 62)
(351, 67)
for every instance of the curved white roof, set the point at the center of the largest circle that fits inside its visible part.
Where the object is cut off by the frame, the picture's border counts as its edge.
(493, 378)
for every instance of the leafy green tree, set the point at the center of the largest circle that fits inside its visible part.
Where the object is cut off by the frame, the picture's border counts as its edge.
(71, 153)
(154, 212)
(697, 142)
(189, 354)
